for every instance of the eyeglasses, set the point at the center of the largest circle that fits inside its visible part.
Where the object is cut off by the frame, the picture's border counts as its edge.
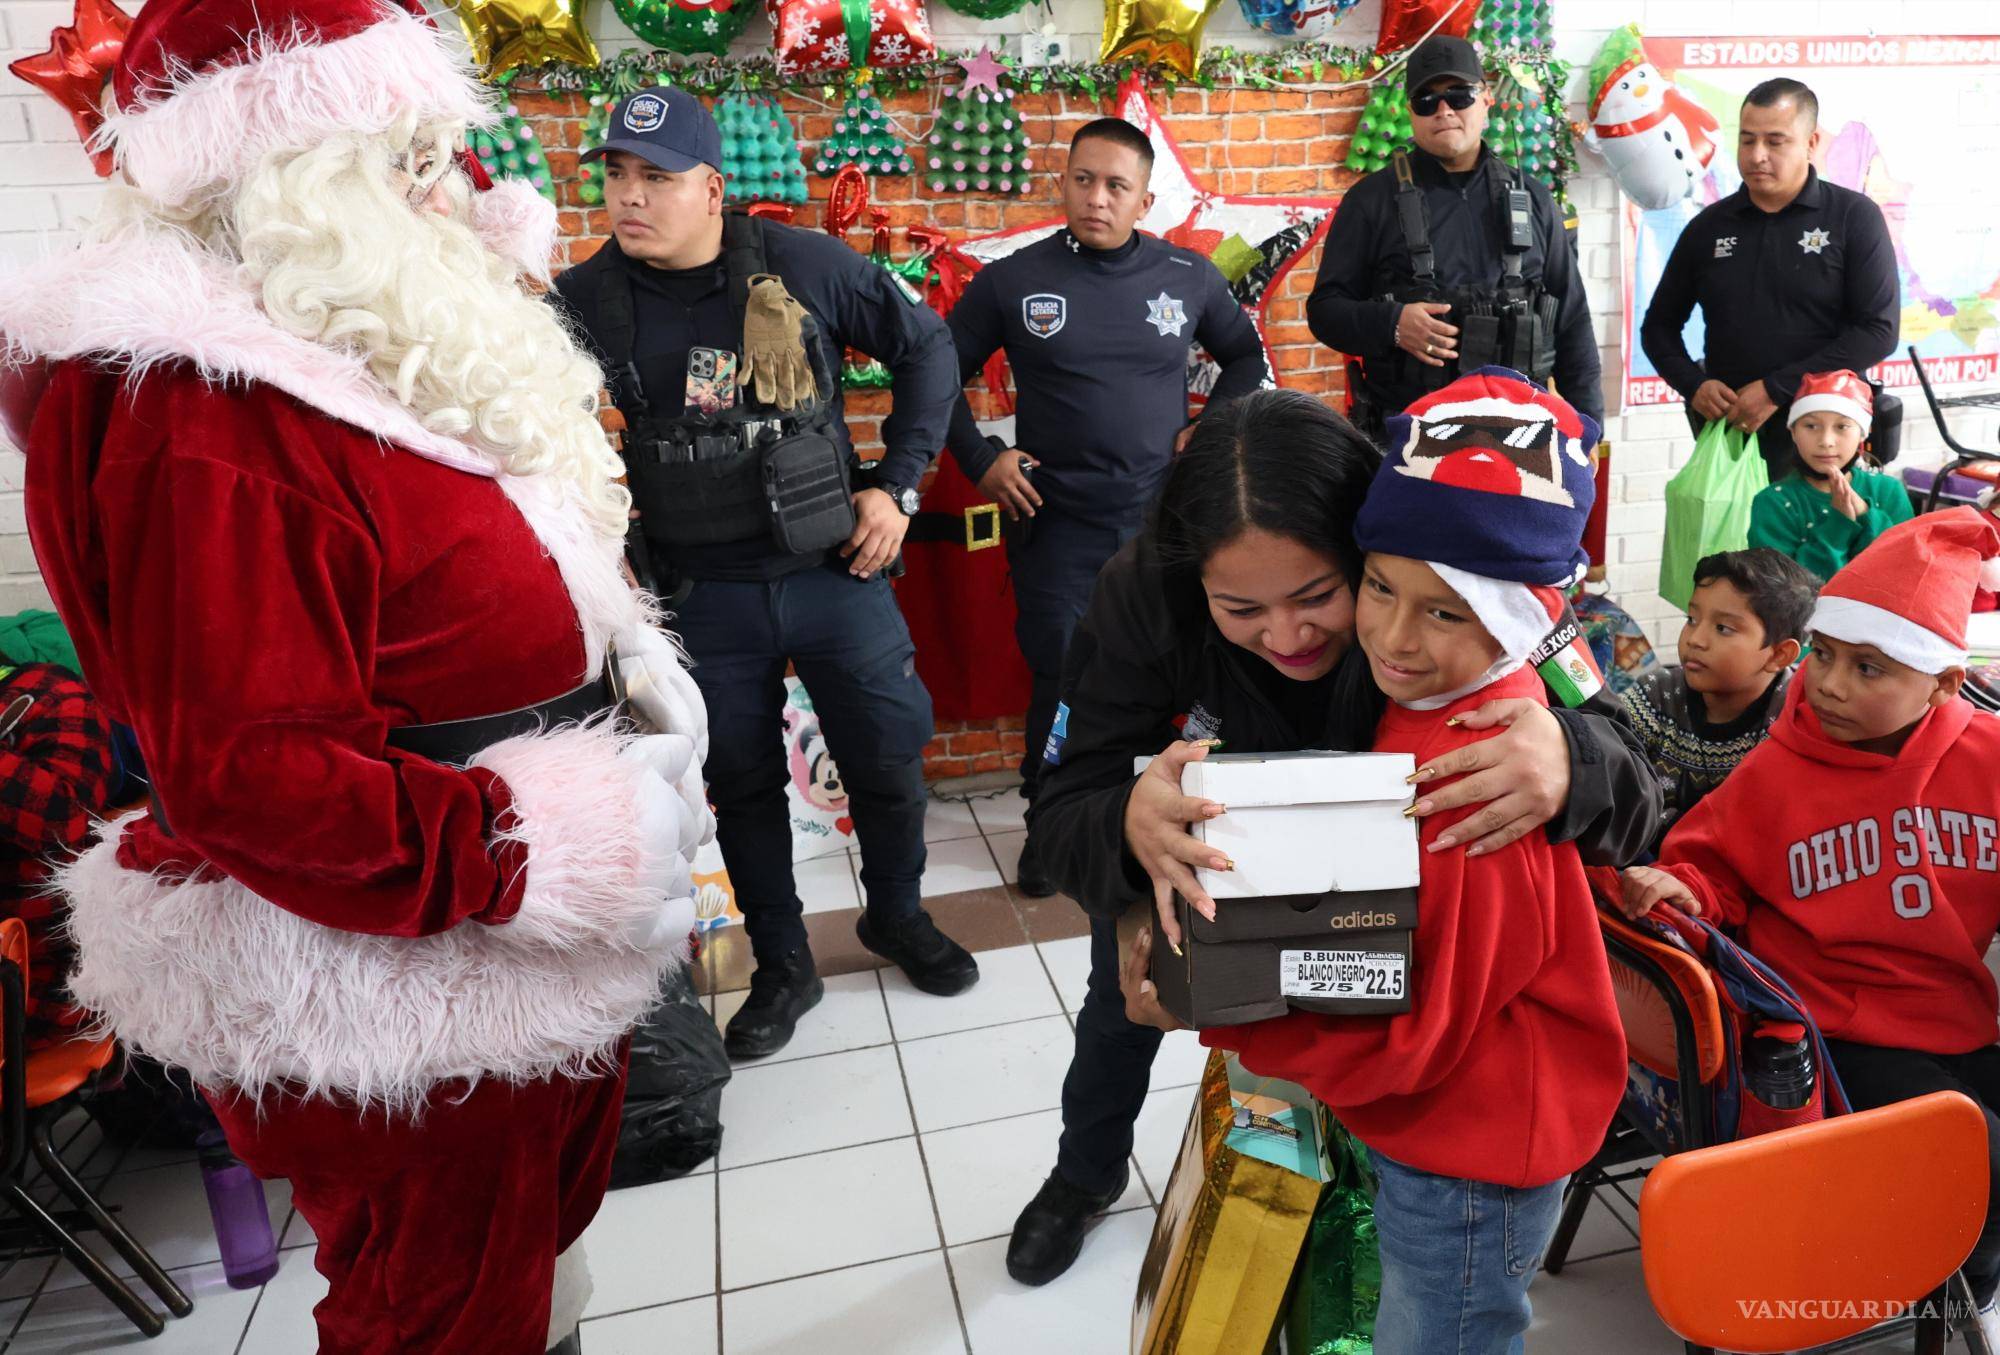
(423, 167)
(1460, 97)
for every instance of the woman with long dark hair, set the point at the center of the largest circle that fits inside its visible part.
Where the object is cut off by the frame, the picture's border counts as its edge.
(1231, 618)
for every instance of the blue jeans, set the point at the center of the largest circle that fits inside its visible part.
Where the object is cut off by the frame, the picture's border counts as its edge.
(1457, 1257)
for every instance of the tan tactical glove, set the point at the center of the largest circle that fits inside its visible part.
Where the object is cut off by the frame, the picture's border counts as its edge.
(774, 350)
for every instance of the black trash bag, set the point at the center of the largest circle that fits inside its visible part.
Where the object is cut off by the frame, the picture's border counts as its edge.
(672, 1122)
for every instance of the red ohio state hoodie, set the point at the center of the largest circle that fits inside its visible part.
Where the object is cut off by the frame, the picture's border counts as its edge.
(1511, 1061)
(1872, 883)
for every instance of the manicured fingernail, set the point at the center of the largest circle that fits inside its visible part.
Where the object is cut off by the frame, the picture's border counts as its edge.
(1215, 811)
(1476, 849)
(1223, 863)
(1444, 841)
(1176, 945)
(1208, 743)
(1420, 774)
(1454, 722)
(1420, 807)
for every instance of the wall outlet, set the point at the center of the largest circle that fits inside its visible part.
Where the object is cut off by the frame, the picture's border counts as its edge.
(1042, 49)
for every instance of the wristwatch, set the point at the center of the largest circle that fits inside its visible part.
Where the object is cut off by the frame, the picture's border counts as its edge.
(905, 499)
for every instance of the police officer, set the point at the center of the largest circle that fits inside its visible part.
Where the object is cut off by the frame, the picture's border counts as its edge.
(721, 336)
(1449, 260)
(1792, 274)
(1096, 322)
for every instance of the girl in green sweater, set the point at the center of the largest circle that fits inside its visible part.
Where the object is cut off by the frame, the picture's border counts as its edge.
(1833, 503)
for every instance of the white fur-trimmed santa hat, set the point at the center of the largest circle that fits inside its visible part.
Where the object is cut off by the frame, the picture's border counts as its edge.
(1841, 393)
(1909, 593)
(206, 88)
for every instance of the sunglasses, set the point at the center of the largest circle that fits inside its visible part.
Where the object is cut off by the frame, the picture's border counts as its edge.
(1460, 97)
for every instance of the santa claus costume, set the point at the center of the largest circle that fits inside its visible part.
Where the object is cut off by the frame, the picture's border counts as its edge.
(318, 488)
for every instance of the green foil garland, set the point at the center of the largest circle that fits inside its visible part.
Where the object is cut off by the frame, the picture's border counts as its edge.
(1340, 1268)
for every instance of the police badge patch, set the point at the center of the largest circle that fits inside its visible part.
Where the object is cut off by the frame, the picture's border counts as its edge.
(645, 113)
(1044, 314)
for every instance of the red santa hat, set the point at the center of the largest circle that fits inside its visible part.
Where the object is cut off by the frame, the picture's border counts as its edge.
(1841, 393)
(205, 88)
(1910, 593)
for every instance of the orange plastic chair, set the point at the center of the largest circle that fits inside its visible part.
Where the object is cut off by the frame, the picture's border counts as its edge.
(1804, 1236)
(1673, 1025)
(33, 1087)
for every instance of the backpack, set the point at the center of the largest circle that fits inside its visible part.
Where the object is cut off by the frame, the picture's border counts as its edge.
(1760, 1012)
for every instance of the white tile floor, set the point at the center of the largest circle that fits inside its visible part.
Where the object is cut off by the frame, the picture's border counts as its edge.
(868, 1178)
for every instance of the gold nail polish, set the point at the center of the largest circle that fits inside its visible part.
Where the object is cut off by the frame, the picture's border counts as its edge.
(1176, 945)
(1410, 813)
(1454, 722)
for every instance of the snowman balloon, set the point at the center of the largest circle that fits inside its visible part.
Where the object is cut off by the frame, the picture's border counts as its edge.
(1657, 141)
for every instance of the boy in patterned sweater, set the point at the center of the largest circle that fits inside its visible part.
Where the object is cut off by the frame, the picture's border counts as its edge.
(1746, 623)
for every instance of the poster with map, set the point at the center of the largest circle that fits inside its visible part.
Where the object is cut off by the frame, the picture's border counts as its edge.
(1914, 123)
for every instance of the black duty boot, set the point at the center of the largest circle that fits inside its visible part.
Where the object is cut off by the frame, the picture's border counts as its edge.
(1049, 1233)
(935, 963)
(1029, 877)
(780, 993)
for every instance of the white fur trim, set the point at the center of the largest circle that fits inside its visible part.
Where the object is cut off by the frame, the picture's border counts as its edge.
(570, 1294)
(147, 298)
(1829, 402)
(243, 994)
(210, 128)
(1863, 623)
(517, 223)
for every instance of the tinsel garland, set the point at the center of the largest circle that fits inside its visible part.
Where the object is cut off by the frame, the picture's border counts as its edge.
(1305, 63)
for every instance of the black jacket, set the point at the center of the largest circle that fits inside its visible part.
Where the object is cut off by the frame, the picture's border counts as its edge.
(1101, 366)
(1364, 257)
(1811, 287)
(1138, 676)
(857, 304)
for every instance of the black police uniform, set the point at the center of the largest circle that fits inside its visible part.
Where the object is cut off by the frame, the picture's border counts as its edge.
(1098, 340)
(1373, 265)
(1811, 287)
(755, 606)
(1141, 674)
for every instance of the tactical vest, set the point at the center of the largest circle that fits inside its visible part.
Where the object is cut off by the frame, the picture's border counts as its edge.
(1511, 325)
(740, 473)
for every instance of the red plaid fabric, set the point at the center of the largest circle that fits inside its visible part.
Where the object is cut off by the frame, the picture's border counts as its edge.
(56, 771)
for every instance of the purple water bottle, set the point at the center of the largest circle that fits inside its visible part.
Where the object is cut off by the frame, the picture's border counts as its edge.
(242, 1219)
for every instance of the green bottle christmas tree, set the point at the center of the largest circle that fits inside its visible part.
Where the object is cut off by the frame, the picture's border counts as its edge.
(1520, 130)
(590, 177)
(509, 150)
(1513, 26)
(978, 143)
(862, 136)
(760, 158)
(1385, 128)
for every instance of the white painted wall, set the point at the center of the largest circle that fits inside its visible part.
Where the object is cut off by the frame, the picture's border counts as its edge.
(47, 192)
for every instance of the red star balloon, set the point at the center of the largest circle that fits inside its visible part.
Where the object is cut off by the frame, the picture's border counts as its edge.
(78, 62)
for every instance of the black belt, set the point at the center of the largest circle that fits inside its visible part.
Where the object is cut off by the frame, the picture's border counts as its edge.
(975, 528)
(456, 742)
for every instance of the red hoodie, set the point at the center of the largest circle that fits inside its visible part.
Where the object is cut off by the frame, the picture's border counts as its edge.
(1872, 883)
(1512, 1060)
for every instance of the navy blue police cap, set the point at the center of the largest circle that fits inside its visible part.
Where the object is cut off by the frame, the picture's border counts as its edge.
(663, 126)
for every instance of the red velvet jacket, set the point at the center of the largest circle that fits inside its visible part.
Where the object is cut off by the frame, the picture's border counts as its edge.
(410, 593)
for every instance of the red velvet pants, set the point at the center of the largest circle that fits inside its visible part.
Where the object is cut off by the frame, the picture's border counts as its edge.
(439, 1236)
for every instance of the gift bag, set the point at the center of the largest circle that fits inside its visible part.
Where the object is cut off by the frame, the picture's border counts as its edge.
(1339, 1282)
(1234, 1216)
(1708, 505)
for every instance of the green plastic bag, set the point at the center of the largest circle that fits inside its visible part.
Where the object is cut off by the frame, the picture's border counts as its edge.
(1338, 1285)
(1708, 505)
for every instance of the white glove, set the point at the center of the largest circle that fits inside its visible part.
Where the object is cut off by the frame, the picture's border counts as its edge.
(672, 830)
(658, 688)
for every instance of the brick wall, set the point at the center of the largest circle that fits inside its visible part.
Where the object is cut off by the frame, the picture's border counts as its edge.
(1284, 141)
